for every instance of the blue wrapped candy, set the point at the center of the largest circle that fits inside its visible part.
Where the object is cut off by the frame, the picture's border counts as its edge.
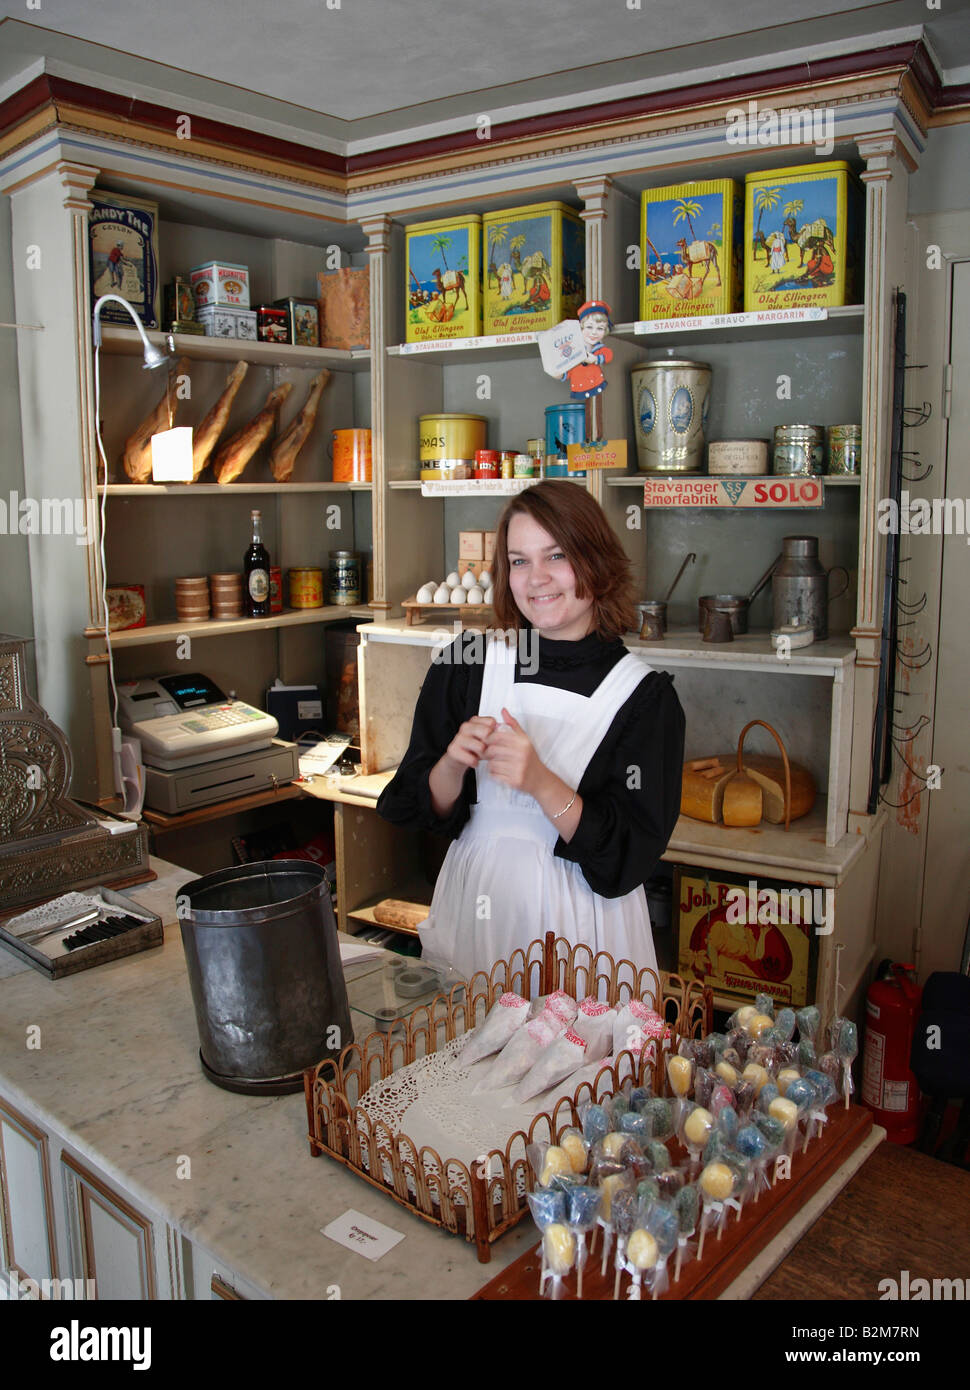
(687, 1205)
(823, 1085)
(765, 1004)
(662, 1221)
(727, 1122)
(806, 1053)
(771, 1128)
(808, 1020)
(801, 1092)
(785, 1023)
(583, 1207)
(547, 1206)
(659, 1115)
(768, 1093)
(751, 1142)
(647, 1190)
(636, 1125)
(596, 1123)
(639, 1095)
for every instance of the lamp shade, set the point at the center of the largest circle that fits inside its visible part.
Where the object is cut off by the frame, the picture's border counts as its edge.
(172, 456)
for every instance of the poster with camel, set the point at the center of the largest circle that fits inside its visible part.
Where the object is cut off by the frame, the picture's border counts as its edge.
(690, 250)
(802, 237)
(534, 271)
(444, 289)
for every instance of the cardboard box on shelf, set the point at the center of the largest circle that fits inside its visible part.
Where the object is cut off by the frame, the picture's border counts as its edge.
(471, 545)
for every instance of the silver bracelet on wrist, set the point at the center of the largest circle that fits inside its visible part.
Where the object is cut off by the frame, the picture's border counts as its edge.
(565, 808)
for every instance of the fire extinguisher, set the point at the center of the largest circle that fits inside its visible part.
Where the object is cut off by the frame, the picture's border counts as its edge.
(889, 1088)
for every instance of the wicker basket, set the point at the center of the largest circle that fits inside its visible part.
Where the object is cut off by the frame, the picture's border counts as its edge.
(481, 1201)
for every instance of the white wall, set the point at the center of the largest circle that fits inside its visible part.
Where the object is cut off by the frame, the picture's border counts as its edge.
(16, 613)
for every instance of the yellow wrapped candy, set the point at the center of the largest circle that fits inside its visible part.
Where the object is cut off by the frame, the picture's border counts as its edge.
(641, 1250)
(608, 1186)
(745, 1015)
(559, 1247)
(757, 1024)
(757, 1075)
(784, 1110)
(698, 1126)
(575, 1150)
(726, 1072)
(613, 1143)
(556, 1161)
(717, 1181)
(679, 1071)
(786, 1076)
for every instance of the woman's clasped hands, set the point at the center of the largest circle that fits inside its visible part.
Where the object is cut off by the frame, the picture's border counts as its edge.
(512, 760)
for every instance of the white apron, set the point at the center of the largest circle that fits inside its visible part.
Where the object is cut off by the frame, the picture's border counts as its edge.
(501, 886)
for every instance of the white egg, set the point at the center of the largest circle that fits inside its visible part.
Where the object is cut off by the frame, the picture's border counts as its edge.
(426, 594)
(468, 580)
(442, 594)
(475, 595)
(453, 580)
(485, 579)
(459, 594)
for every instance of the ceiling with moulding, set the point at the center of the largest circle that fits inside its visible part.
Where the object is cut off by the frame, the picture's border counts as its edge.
(374, 68)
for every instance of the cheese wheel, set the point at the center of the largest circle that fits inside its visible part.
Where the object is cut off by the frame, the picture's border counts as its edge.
(769, 773)
(701, 797)
(743, 802)
(703, 789)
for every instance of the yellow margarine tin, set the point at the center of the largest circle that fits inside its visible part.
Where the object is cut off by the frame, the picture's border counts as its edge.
(450, 438)
(803, 237)
(444, 289)
(534, 270)
(690, 250)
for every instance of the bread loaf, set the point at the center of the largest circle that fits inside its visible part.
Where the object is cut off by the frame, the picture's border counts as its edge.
(392, 912)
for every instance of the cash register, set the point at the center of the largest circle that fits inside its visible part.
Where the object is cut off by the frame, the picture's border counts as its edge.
(199, 745)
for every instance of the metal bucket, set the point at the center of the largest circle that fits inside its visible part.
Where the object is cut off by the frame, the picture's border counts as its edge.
(670, 407)
(261, 948)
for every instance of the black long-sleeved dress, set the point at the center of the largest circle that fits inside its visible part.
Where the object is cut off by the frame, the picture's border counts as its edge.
(630, 788)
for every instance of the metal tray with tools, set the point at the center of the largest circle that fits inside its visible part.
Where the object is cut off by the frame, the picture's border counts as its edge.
(82, 940)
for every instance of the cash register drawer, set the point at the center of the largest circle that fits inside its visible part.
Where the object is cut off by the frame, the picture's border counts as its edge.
(210, 782)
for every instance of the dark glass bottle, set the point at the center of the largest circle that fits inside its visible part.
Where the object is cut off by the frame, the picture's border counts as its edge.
(256, 600)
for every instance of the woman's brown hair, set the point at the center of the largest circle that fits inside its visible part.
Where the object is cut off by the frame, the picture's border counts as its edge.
(577, 522)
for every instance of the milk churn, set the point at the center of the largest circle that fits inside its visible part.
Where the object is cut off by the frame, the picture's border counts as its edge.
(800, 587)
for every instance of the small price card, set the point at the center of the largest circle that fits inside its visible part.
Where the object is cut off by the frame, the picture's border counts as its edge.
(368, 1237)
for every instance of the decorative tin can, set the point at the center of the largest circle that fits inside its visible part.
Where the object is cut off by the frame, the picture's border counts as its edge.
(534, 269)
(845, 449)
(565, 425)
(221, 322)
(523, 466)
(344, 306)
(670, 407)
(275, 589)
(352, 456)
(803, 236)
(303, 319)
(179, 304)
(306, 588)
(220, 282)
(451, 436)
(344, 577)
(741, 457)
(487, 463)
(444, 291)
(272, 324)
(799, 451)
(123, 255)
(690, 249)
(507, 463)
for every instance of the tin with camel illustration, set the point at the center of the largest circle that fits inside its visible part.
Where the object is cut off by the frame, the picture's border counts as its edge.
(803, 237)
(444, 287)
(534, 269)
(691, 250)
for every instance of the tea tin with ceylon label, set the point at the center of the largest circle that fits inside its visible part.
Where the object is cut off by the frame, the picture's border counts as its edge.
(799, 451)
(845, 450)
(306, 588)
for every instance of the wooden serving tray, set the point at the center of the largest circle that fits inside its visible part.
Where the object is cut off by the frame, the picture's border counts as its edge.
(741, 1240)
(480, 615)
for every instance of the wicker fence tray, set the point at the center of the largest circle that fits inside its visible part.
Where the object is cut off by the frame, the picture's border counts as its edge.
(741, 1240)
(481, 1201)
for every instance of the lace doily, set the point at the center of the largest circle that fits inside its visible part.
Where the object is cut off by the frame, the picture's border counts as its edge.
(433, 1102)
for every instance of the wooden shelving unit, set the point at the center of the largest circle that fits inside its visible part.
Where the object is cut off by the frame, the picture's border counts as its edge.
(127, 342)
(153, 633)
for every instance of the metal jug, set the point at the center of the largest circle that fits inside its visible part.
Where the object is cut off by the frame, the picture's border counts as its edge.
(799, 587)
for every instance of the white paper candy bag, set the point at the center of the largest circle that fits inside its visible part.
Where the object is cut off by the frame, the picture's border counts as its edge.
(521, 1054)
(506, 1016)
(635, 1022)
(560, 1003)
(559, 1060)
(594, 1022)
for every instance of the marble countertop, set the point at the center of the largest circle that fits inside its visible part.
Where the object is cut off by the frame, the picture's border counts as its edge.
(117, 1076)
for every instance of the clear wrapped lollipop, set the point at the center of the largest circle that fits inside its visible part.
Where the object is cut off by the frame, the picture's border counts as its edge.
(558, 1255)
(825, 1094)
(725, 1070)
(642, 1254)
(521, 1053)
(624, 1215)
(807, 1056)
(808, 1020)
(661, 1220)
(745, 1095)
(696, 1123)
(700, 1050)
(680, 1076)
(595, 1121)
(765, 1004)
(766, 1095)
(728, 1122)
(506, 1016)
(576, 1148)
(844, 1042)
(610, 1184)
(741, 1017)
(804, 1093)
(687, 1204)
(717, 1183)
(787, 1113)
(669, 1182)
(582, 1210)
(704, 1083)
(658, 1154)
(637, 1126)
(547, 1160)
(659, 1114)
(756, 1147)
(548, 1212)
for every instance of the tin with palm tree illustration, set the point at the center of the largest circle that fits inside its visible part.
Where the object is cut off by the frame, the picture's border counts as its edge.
(534, 267)
(691, 249)
(670, 408)
(802, 237)
(444, 288)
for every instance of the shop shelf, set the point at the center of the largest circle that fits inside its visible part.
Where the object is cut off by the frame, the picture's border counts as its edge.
(165, 632)
(127, 342)
(731, 328)
(216, 489)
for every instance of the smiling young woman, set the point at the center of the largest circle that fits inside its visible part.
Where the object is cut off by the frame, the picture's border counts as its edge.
(557, 777)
